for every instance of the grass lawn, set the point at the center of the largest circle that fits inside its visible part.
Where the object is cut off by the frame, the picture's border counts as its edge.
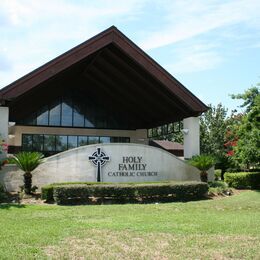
(210, 229)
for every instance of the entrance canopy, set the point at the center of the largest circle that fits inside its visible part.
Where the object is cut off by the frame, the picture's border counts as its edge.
(110, 69)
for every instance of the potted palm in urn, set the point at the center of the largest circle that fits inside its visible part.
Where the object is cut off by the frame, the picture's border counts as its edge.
(27, 162)
(202, 163)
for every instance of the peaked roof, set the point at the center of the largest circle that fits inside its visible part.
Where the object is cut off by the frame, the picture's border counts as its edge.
(110, 36)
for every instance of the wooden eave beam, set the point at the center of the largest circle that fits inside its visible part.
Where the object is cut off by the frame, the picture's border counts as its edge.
(137, 91)
(105, 78)
(122, 106)
(147, 84)
(135, 53)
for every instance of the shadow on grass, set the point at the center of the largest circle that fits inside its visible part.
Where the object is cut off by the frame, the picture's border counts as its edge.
(11, 205)
(114, 201)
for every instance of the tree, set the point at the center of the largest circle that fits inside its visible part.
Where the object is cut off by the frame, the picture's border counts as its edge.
(203, 163)
(233, 125)
(247, 150)
(250, 98)
(27, 162)
(213, 127)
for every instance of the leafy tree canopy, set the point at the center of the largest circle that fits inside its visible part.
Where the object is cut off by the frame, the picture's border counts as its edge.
(213, 127)
(247, 151)
(249, 97)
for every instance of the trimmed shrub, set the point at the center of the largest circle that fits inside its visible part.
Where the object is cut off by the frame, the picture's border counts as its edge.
(47, 193)
(47, 190)
(219, 187)
(75, 194)
(218, 184)
(243, 180)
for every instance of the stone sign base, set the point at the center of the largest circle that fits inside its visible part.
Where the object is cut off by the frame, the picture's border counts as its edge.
(106, 163)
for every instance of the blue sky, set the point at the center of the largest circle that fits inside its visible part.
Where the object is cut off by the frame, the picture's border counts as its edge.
(212, 47)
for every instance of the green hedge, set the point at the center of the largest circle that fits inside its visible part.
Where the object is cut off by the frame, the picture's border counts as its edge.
(47, 190)
(76, 194)
(47, 193)
(243, 180)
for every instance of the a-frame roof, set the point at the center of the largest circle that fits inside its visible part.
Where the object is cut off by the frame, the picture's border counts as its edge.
(110, 38)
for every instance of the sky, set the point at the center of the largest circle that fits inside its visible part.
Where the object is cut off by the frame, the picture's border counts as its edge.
(211, 46)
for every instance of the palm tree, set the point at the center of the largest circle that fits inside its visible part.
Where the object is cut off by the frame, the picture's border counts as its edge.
(203, 163)
(27, 162)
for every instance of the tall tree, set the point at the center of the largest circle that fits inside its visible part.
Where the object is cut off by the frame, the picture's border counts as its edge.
(213, 127)
(250, 98)
(247, 150)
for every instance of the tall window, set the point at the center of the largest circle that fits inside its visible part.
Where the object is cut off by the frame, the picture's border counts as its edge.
(78, 116)
(42, 118)
(67, 112)
(61, 143)
(55, 114)
(52, 144)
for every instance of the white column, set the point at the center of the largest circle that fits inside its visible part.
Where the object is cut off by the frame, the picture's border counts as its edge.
(4, 119)
(191, 133)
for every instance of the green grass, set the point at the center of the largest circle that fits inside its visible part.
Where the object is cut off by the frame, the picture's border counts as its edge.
(210, 229)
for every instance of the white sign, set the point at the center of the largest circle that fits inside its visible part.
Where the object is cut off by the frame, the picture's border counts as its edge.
(117, 163)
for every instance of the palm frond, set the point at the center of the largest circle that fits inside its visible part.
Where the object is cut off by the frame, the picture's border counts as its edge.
(28, 161)
(202, 162)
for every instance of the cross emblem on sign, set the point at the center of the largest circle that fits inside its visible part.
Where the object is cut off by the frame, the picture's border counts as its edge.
(99, 159)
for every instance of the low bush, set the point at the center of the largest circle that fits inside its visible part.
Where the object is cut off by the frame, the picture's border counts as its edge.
(218, 184)
(47, 193)
(243, 180)
(82, 193)
(219, 188)
(217, 175)
(3, 195)
(47, 190)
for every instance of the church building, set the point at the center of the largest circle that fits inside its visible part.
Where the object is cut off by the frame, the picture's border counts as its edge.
(105, 90)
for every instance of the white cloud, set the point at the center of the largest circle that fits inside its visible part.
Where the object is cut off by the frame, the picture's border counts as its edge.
(27, 12)
(186, 19)
(195, 62)
(34, 32)
(5, 64)
(194, 58)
